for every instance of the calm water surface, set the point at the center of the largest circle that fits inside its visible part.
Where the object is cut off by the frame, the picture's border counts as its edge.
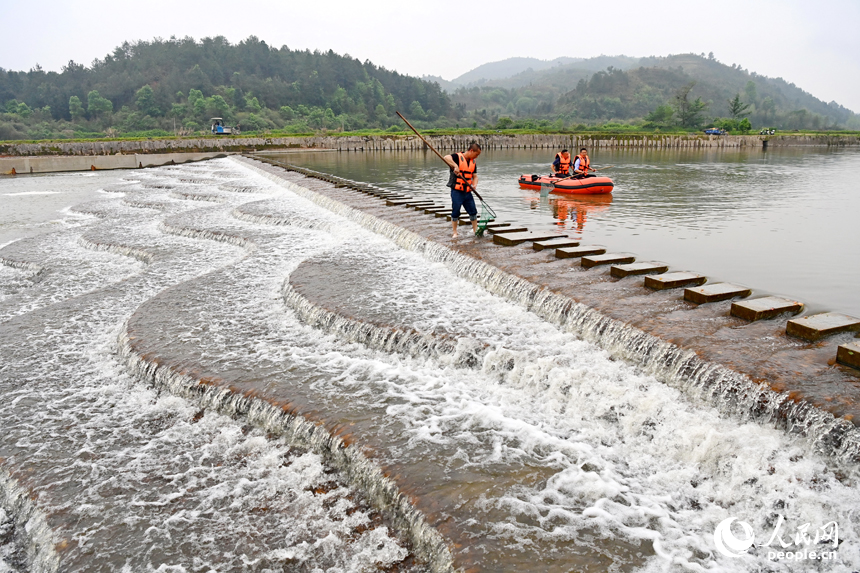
(781, 222)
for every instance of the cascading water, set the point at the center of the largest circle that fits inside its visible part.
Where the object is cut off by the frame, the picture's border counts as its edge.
(125, 477)
(731, 392)
(280, 319)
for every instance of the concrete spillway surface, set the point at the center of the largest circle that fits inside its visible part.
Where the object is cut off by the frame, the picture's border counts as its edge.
(640, 268)
(607, 259)
(715, 293)
(849, 354)
(818, 326)
(554, 243)
(580, 251)
(506, 228)
(673, 280)
(509, 239)
(765, 307)
(526, 448)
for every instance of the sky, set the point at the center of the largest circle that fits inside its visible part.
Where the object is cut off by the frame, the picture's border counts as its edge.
(813, 45)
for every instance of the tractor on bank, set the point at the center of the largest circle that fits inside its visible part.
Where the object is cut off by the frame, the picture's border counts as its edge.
(219, 128)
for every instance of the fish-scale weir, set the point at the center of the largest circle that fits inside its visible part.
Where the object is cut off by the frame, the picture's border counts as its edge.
(73, 503)
(545, 455)
(730, 391)
(282, 420)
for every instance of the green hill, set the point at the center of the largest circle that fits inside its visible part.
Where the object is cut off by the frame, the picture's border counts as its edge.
(503, 69)
(163, 87)
(156, 85)
(628, 89)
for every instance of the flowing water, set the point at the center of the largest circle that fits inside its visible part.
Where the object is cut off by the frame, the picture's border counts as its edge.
(526, 447)
(782, 221)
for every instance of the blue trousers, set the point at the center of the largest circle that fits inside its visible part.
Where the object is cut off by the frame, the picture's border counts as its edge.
(463, 199)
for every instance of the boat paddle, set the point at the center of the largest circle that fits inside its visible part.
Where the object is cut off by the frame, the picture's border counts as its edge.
(490, 213)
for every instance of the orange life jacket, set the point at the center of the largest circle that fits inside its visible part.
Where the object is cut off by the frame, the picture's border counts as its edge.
(563, 164)
(467, 171)
(583, 163)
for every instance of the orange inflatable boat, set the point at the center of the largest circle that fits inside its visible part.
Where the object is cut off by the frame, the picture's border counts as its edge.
(591, 185)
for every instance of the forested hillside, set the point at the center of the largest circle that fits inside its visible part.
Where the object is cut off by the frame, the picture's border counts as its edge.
(156, 85)
(644, 91)
(166, 87)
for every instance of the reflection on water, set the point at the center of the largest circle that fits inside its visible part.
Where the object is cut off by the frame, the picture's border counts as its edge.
(781, 221)
(568, 211)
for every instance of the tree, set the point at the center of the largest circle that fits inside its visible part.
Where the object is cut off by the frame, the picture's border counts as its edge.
(98, 106)
(217, 106)
(76, 108)
(689, 112)
(767, 107)
(750, 92)
(197, 104)
(252, 104)
(146, 101)
(416, 111)
(660, 117)
(744, 126)
(736, 107)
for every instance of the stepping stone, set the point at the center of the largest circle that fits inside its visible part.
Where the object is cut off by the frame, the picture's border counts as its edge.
(715, 292)
(554, 244)
(509, 239)
(607, 259)
(498, 225)
(849, 354)
(649, 268)
(434, 210)
(420, 204)
(399, 201)
(576, 252)
(673, 280)
(507, 229)
(766, 307)
(818, 326)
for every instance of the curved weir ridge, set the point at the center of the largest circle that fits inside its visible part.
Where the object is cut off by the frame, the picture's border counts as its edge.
(110, 475)
(730, 391)
(281, 420)
(31, 537)
(386, 338)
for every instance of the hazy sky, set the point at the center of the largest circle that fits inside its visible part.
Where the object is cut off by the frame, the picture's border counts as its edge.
(815, 45)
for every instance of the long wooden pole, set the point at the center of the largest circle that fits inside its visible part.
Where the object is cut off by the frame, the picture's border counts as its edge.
(427, 143)
(572, 176)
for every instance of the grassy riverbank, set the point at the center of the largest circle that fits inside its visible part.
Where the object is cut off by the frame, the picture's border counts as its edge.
(599, 132)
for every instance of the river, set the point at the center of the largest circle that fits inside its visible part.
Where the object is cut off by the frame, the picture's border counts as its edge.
(525, 447)
(781, 221)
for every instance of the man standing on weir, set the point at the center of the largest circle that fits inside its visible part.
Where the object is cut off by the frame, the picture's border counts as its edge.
(462, 179)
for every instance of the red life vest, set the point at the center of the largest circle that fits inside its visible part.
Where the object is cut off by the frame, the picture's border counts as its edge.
(467, 171)
(563, 164)
(583, 164)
